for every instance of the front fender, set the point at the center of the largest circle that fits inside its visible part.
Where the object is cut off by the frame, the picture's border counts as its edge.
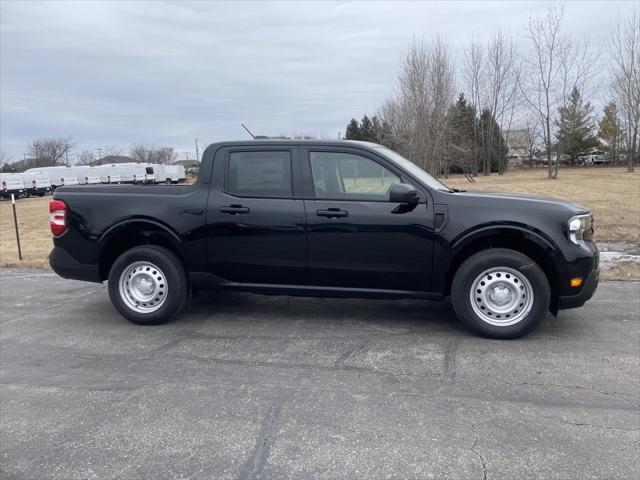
(518, 237)
(511, 229)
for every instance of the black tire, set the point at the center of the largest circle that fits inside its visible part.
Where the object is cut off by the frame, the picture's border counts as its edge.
(475, 266)
(175, 276)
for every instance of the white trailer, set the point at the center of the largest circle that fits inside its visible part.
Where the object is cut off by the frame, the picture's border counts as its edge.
(12, 183)
(169, 173)
(109, 173)
(59, 176)
(149, 172)
(87, 175)
(136, 172)
(37, 183)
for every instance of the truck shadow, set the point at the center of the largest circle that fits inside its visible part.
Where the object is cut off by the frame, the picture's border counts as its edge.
(279, 311)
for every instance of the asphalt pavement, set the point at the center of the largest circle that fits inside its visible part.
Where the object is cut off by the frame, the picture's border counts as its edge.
(246, 386)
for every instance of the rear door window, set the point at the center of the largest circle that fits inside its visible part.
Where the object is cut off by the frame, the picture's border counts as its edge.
(259, 174)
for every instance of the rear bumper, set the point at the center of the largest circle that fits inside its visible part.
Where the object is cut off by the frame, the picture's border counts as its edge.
(39, 190)
(17, 193)
(68, 267)
(574, 301)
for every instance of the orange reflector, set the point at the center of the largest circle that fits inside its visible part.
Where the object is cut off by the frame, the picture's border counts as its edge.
(576, 282)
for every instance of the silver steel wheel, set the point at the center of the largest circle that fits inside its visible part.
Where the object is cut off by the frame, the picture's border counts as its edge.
(143, 287)
(501, 296)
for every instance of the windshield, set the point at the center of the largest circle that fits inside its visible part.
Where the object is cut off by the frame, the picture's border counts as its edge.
(414, 170)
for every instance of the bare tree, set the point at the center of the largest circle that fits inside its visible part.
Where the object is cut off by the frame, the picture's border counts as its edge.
(46, 152)
(5, 160)
(539, 87)
(86, 157)
(166, 155)
(139, 152)
(532, 129)
(416, 112)
(556, 66)
(152, 154)
(490, 74)
(624, 47)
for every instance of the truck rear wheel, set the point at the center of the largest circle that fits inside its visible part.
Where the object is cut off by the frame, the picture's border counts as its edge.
(148, 285)
(500, 293)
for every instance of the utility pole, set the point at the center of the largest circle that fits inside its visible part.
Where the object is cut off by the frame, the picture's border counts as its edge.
(24, 160)
(197, 153)
(66, 155)
(187, 155)
(339, 133)
(99, 150)
(78, 157)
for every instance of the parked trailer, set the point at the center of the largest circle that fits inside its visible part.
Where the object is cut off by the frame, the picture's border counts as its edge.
(12, 183)
(87, 175)
(136, 172)
(169, 173)
(149, 172)
(59, 176)
(37, 183)
(109, 173)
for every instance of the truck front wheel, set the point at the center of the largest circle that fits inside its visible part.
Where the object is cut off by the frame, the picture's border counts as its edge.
(500, 293)
(148, 285)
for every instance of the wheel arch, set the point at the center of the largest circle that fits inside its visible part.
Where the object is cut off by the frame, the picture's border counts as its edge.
(134, 232)
(540, 249)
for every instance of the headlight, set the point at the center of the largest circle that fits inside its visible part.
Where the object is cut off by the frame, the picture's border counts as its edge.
(580, 228)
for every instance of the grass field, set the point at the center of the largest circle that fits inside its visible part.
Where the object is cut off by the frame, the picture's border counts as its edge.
(612, 195)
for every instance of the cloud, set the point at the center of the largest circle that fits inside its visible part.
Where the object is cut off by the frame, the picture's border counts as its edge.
(115, 73)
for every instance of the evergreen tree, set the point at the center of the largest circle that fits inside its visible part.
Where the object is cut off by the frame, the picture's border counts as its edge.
(353, 130)
(461, 119)
(367, 132)
(494, 148)
(575, 126)
(610, 129)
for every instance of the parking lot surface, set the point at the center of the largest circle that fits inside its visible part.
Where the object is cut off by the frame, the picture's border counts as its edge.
(245, 386)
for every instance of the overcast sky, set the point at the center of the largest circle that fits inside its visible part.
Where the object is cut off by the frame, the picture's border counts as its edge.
(117, 73)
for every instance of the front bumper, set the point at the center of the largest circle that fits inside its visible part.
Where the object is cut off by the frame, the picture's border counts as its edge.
(575, 301)
(68, 267)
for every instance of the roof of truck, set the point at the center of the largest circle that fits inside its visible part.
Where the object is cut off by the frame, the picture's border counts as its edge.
(287, 141)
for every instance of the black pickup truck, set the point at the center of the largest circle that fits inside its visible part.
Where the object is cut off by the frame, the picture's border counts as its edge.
(330, 219)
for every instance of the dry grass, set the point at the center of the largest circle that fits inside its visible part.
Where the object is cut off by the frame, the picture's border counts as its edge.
(612, 195)
(35, 236)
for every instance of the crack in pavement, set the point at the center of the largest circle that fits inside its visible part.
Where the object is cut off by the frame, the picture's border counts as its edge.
(594, 425)
(484, 466)
(578, 387)
(53, 306)
(253, 467)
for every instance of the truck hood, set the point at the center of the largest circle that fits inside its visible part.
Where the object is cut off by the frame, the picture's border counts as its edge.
(474, 196)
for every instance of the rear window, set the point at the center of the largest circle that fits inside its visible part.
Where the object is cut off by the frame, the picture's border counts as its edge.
(259, 174)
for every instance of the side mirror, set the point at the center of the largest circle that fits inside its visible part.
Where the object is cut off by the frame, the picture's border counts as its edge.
(403, 193)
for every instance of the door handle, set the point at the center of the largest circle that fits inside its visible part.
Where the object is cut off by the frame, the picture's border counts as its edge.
(332, 213)
(234, 209)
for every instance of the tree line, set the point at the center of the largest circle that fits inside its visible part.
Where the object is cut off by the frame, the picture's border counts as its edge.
(444, 118)
(49, 152)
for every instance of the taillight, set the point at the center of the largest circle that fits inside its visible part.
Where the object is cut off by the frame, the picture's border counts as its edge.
(57, 217)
